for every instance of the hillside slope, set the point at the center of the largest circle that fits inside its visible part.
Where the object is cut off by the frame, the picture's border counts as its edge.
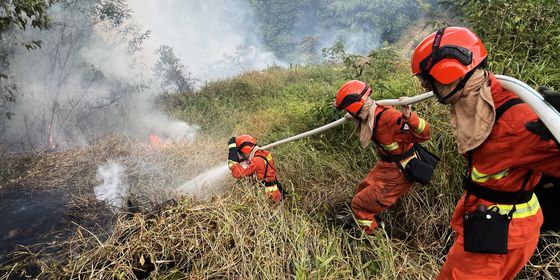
(238, 234)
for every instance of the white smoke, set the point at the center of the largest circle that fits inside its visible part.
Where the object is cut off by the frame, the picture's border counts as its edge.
(112, 190)
(214, 38)
(357, 42)
(84, 83)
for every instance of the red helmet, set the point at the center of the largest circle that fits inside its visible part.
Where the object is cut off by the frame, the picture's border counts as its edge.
(448, 54)
(351, 96)
(245, 143)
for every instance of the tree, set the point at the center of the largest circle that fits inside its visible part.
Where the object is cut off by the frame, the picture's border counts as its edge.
(18, 14)
(171, 72)
(80, 83)
(23, 13)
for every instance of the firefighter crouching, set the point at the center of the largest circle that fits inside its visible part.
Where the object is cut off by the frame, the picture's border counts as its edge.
(246, 159)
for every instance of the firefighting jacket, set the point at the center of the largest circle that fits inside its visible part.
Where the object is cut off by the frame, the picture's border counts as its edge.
(394, 135)
(504, 159)
(256, 166)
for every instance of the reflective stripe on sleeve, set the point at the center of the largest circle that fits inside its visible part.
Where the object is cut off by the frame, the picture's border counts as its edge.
(421, 126)
(391, 147)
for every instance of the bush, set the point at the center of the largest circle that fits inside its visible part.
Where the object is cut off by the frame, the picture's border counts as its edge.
(522, 37)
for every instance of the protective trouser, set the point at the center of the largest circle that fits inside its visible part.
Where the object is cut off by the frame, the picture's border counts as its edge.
(381, 188)
(469, 266)
(273, 191)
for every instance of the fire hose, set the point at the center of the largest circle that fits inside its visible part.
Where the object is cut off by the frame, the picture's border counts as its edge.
(548, 114)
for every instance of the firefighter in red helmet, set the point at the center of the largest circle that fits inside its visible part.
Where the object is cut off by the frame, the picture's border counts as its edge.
(395, 133)
(497, 219)
(245, 159)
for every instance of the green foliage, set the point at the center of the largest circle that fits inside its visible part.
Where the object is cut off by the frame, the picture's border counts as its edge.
(114, 11)
(380, 69)
(24, 13)
(391, 17)
(294, 29)
(522, 37)
(276, 20)
(21, 14)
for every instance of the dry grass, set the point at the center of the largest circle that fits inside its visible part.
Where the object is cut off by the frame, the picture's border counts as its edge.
(240, 234)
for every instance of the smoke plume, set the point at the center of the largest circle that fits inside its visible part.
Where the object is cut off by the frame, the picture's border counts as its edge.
(215, 39)
(89, 79)
(112, 189)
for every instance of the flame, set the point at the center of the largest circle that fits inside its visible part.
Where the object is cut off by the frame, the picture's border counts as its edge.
(155, 141)
(51, 145)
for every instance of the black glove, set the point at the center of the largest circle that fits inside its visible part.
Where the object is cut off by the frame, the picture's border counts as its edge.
(233, 156)
(538, 127)
(552, 97)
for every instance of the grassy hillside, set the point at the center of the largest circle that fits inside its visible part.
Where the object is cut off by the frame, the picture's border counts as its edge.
(238, 234)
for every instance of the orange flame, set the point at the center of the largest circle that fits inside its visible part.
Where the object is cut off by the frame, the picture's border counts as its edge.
(155, 142)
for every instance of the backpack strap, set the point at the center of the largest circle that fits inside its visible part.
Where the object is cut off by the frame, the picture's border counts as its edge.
(504, 107)
(266, 168)
(501, 197)
(375, 122)
(388, 157)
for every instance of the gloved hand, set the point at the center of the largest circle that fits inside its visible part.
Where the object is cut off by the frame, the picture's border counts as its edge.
(538, 127)
(233, 156)
(406, 110)
(552, 97)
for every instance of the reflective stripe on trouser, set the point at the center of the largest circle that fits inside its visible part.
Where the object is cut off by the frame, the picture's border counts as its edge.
(381, 188)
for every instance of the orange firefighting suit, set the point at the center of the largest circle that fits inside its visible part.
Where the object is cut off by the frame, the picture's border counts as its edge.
(501, 163)
(258, 166)
(385, 183)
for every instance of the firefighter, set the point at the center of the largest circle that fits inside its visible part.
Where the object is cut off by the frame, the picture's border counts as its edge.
(498, 217)
(394, 132)
(246, 159)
